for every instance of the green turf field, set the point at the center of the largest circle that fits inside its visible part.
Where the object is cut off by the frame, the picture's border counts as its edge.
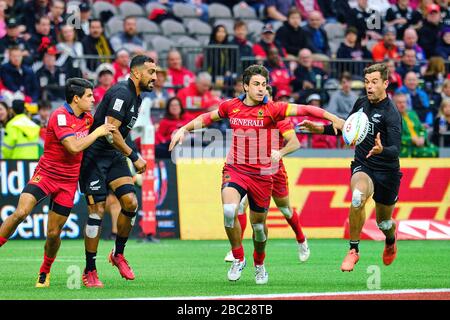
(196, 268)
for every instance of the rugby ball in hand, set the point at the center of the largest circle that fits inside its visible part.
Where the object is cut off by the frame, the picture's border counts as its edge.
(355, 128)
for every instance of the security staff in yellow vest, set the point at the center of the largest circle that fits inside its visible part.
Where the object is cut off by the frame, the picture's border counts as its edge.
(21, 135)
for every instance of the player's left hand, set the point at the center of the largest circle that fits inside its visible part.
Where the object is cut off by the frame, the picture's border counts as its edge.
(377, 148)
(140, 165)
(275, 156)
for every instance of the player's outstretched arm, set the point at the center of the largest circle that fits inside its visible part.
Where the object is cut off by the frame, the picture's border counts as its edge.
(202, 121)
(308, 110)
(74, 145)
(119, 143)
(292, 144)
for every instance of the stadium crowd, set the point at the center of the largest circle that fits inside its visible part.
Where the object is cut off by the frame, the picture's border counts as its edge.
(315, 51)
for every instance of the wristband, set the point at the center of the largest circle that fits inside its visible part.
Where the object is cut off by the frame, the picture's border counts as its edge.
(133, 156)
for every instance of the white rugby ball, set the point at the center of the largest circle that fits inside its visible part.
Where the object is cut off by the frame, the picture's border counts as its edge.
(355, 128)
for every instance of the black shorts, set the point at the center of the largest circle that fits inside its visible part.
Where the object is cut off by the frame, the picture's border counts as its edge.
(386, 183)
(98, 169)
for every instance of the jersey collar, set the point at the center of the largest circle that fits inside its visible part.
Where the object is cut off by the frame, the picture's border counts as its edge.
(69, 110)
(132, 87)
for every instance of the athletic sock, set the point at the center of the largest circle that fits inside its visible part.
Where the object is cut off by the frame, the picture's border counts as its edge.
(243, 221)
(390, 241)
(2, 241)
(354, 245)
(90, 261)
(238, 253)
(295, 225)
(258, 258)
(46, 264)
(120, 245)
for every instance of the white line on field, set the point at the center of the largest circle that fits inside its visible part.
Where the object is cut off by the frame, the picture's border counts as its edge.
(298, 295)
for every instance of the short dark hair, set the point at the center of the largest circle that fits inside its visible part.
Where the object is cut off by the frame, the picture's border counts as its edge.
(253, 70)
(269, 90)
(292, 11)
(44, 104)
(238, 24)
(345, 76)
(18, 106)
(39, 19)
(382, 68)
(76, 87)
(95, 20)
(140, 60)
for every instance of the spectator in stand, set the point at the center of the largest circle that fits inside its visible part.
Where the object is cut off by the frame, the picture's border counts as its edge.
(85, 16)
(445, 94)
(121, 65)
(443, 47)
(316, 35)
(16, 9)
(174, 119)
(42, 38)
(4, 117)
(33, 10)
(178, 76)
(414, 135)
(240, 39)
(159, 95)
(105, 80)
(402, 17)
(433, 81)
(386, 48)
(197, 97)
(343, 12)
(441, 125)
(21, 136)
(395, 80)
(328, 10)
(291, 36)
(220, 60)
(267, 41)
(56, 16)
(17, 77)
(277, 10)
(307, 78)
(129, 37)
(70, 51)
(428, 38)
(417, 98)
(358, 18)
(51, 78)
(279, 75)
(351, 47)
(306, 7)
(343, 100)
(13, 38)
(41, 119)
(2, 19)
(408, 63)
(410, 42)
(96, 44)
(445, 12)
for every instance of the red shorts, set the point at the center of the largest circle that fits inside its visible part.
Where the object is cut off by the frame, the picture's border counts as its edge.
(61, 192)
(258, 188)
(280, 183)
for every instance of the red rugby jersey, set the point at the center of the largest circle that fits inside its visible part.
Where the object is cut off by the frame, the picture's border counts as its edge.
(255, 133)
(56, 160)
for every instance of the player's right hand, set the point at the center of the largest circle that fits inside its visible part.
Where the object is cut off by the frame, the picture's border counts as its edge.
(308, 126)
(105, 129)
(177, 138)
(140, 165)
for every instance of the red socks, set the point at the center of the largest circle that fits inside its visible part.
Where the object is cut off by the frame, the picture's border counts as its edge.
(238, 253)
(47, 264)
(243, 221)
(295, 225)
(2, 241)
(258, 258)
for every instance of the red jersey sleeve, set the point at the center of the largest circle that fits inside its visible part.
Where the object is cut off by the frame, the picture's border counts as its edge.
(223, 109)
(285, 126)
(279, 110)
(60, 124)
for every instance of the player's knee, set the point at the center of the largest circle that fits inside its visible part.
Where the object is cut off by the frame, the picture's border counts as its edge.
(93, 225)
(385, 225)
(358, 199)
(20, 215)
(286, 211)
(129, 203)
(229, 213)
(53, 234)
(259, 232)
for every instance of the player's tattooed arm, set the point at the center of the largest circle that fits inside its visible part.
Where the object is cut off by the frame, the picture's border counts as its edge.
(203, 120)
(74, 145)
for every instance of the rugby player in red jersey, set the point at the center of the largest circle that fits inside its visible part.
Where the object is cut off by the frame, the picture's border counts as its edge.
(280, 189)
(248, 168)
(57, 172)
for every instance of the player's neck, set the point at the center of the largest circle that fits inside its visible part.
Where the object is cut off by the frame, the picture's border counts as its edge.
(249, 101)
(76, 110)
(136, 85)
(380, 99)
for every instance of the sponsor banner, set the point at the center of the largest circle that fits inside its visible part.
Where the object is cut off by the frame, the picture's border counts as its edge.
(14, 175)
(319, 190)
